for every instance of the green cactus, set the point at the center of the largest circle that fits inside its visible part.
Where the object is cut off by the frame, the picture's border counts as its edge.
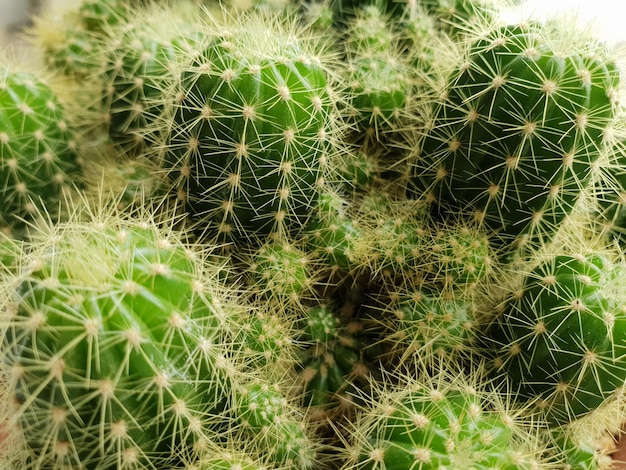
(515, 141)
(443, 421)
(458, 17)
(395, 236)
(10, 249)
(378, 93)
(331, 364)
(38, 160)
(267, 331)
(132, 182)
(280, 270)
(331, 235)
(139, 68)
(559, 337)
(377, 75)
(276, 427)
(610, 191)
(252, 129)
(70, 53)
(426, 322)
(461, 255)
(570, 453)
(118, 345)
(358, 170)
(100, 15)
(318, 15)
(229, 460)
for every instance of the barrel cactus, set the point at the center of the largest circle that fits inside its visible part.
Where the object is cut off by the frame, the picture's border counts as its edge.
(559, 338)
(332, 364)
(253, 124)
(142, 57)
(441, 421)
(522, 125)
(117, 346)
(38, 159)
(275, 425)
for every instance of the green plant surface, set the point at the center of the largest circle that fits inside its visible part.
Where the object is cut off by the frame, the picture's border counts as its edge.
(118, 345)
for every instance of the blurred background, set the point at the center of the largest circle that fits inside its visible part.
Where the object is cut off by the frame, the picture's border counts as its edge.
(13, 15)
(606, 16)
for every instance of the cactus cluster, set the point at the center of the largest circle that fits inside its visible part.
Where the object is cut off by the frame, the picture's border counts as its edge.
(311, 235)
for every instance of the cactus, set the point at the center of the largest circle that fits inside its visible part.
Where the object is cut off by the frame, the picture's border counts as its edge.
(133, 183)
(331, 235)
(69, 52)
(443, 421)
(117, 346)
(280, 270)
(378, 93)
(275, 425)
(228, 460)
(253, 128)
(265, 234)
(358, 170)
(332, 365)
(266, 340)
(559, 337)
(394, 235)
(140, 67)
(571, 453)
(461, 254)
(37, 154)
(425, 323)
(459, 17)
(610, 191)
(517, 136)
(377, 75)
(100, 15)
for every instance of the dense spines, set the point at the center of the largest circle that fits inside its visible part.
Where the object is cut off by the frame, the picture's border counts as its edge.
(118, 346)
(461, 255)
(460, 17)
(331, 235)
(332, 364)
(100, 15)
(377, 76)
(132, 182)
(267, 339)
(275, 425)
(558, 338)
(570, 452)
(394, 234)
(317, 217)
(443, 421)
(253, 128)
(38, 158)
(521, 127)
(609, 193)
(280, 270)
(140, 66)
(426, 323)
